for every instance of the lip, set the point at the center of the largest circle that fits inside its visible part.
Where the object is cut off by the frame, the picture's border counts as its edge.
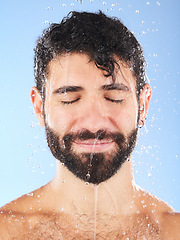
(94, 145)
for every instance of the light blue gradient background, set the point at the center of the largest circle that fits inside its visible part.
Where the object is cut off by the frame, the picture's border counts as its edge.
(26, 162)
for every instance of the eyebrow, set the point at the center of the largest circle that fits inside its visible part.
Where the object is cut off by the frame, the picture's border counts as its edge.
(115, 86)
(66, 89)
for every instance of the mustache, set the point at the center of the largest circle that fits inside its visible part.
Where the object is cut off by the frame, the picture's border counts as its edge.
(99, 135)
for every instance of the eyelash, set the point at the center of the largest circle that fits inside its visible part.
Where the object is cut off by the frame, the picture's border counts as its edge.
(108, 99)
(114, 101)
(70, 102)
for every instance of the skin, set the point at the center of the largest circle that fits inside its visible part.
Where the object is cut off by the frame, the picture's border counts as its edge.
(67, 207)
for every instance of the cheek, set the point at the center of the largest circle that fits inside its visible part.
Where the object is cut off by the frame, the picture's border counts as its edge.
(126, 117)
(59, 120)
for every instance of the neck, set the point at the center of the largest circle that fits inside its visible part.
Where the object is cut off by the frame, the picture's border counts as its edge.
(109, 198)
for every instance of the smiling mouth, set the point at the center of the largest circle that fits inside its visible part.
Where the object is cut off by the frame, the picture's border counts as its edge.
(93, 145)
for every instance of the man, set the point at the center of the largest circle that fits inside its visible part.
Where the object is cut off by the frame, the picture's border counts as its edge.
(90, 96)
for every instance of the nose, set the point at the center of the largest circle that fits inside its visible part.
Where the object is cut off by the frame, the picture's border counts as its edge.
(93, 117)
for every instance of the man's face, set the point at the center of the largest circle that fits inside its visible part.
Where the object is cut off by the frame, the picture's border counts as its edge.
(90, 120)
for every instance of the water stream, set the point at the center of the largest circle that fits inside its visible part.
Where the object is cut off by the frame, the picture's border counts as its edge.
(95, 209)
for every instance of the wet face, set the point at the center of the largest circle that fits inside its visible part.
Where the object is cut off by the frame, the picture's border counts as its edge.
(90, 120)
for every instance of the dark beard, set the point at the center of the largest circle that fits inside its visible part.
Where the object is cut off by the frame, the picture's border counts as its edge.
(91, 167)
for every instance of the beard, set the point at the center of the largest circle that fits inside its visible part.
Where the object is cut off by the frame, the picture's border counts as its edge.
(91, 167)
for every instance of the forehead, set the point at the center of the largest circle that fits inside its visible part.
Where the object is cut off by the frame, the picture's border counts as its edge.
(69, 69)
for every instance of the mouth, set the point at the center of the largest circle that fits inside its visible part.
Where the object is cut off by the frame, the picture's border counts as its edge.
(93, 145)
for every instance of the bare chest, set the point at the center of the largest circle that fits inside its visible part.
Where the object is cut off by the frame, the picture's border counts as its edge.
(89, 235)
(64, 231)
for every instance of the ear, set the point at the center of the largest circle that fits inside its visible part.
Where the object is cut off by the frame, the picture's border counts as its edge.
(37, 105)
(144, 99)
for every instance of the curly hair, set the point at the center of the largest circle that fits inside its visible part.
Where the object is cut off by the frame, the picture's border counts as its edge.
(102, 38)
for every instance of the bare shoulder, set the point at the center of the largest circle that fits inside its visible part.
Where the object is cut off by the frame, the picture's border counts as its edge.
(19, 215)
(28, 203)
(19, 225)
(170, 225)
(167, 217)
(28, 218)
(12, 224)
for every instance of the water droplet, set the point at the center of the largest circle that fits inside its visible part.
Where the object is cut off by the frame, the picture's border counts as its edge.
(158, 4)
(30, 194)
(63, 181)
(152, 167)
(137, 11)
(63, 145)
(88, 176)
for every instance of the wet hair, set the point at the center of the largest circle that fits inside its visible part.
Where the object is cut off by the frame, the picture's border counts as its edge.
(104, 39)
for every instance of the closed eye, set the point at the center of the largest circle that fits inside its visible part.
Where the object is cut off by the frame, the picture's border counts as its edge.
(114, 101)
(70, 102)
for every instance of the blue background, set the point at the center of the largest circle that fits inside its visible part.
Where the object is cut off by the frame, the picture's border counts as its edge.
(26, 162)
